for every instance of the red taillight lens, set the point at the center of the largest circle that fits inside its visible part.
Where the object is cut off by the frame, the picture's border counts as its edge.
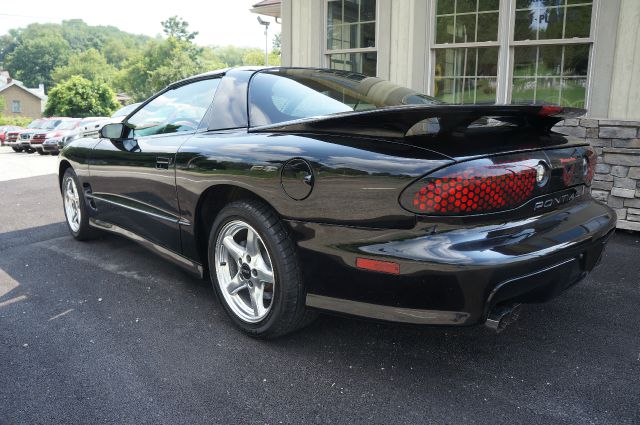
(475, 187)
(550, 110)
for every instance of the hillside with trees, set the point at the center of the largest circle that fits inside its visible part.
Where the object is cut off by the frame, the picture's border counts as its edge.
(62, 55)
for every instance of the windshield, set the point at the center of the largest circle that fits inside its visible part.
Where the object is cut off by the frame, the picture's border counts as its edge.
(125, 110)
(50, 125)
(67, 125)
(36, 124)
(280, 95)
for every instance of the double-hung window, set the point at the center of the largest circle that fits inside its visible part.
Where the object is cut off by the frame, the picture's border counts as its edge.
(351, 36)
(512, 51)
(466, 51)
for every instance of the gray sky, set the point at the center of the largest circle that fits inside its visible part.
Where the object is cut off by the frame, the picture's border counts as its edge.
(219, 22)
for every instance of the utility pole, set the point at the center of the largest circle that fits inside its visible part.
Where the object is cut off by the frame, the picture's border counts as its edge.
(266, 40)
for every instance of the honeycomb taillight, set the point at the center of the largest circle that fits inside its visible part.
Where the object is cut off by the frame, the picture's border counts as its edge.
(475, 187)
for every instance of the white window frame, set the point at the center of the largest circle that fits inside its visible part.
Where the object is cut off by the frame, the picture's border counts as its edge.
(326, 52)
(506, 45)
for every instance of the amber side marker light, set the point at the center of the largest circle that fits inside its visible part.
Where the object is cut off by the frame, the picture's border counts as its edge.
(378, 266)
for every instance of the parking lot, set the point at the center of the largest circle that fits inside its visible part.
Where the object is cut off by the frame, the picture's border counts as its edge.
(105, 332)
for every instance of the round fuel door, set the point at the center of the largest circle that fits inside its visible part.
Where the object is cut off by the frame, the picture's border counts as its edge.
(297, 179)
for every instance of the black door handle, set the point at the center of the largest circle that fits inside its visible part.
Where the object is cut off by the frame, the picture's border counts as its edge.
(162, 163)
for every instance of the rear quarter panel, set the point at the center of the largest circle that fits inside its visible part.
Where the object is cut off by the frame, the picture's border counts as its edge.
(356, 181)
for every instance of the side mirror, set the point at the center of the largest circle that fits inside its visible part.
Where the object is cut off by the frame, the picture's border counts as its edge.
(113, 131)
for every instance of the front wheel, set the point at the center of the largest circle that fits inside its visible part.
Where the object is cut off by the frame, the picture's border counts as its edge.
(16, 149)
(254, 270)
(75, 207)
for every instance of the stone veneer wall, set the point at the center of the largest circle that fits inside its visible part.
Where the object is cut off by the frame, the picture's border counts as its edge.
(617, 178)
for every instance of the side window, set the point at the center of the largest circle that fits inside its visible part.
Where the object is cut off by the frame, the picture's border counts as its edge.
(177, 110)
(275, 98)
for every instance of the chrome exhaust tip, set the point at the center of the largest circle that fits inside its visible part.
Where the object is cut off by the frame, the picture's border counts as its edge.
(502, 316)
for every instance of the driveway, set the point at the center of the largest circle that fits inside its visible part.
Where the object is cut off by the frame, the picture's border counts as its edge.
(105, 332)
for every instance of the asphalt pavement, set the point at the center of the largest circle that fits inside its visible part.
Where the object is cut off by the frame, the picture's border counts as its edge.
(106, 332)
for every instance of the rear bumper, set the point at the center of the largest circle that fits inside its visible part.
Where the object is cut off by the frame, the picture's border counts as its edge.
(452, 276)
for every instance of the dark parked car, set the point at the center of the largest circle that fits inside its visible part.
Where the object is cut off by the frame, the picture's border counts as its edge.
(299, 190)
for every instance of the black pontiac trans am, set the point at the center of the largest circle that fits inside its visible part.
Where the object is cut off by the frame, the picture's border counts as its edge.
(304, 190)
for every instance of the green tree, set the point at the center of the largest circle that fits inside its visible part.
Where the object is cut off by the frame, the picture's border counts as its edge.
(274, 59)
(256, 57)
(79, 97)
(33, 59)
(211, 61)
(160, 63)
(31, 53)
(80, 36)
(89, 64)
(230, 55)
(8, 43)
(253, 57)
(276, 45)
(177, 27)
(117, 51)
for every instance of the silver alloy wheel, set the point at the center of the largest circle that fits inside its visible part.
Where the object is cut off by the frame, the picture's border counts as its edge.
(244, 271)
(72, 204)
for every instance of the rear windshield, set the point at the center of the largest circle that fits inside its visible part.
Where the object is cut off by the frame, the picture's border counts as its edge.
(281, 95)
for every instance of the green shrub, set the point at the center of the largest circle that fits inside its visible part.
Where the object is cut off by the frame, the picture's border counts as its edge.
(78, 97)
(14, 120)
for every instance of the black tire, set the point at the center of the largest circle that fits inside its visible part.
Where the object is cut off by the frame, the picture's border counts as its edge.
(288, 311)
(84, 232)
(27, 150)
(16, 149)
(41, 152)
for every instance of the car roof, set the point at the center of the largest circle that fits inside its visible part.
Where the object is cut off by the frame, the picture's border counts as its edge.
(218, 72)
(199, 77)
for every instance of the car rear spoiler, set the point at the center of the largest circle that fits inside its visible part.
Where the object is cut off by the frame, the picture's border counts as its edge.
(397, 121)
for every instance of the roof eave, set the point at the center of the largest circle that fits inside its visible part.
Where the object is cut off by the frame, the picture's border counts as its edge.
(272, 10)
(14, 84)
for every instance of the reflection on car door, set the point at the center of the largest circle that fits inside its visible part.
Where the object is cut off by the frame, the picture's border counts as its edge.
(133, 181)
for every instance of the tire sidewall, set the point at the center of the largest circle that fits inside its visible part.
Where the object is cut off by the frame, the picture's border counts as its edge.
(84, 229)
(236, 212)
